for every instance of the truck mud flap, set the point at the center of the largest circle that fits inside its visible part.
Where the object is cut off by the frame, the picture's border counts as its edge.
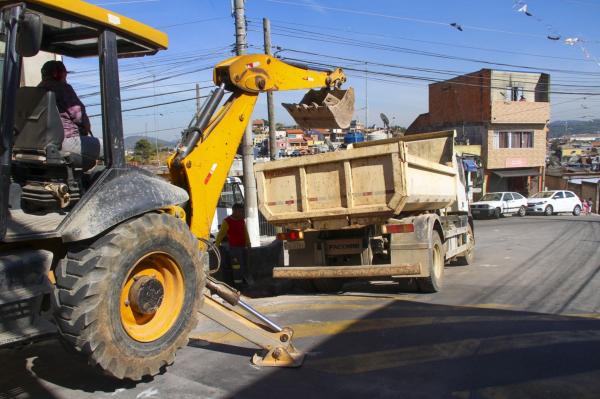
(316, 272)
(23, 283)
(324, 109)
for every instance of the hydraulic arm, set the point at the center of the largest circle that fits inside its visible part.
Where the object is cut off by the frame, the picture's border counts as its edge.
(209, 146)
(205, 155)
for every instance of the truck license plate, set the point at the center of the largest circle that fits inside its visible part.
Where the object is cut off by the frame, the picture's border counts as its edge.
(343, 247)
(295, 245)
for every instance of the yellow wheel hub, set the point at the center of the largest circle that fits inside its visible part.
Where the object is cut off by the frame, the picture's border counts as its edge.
(152, 297)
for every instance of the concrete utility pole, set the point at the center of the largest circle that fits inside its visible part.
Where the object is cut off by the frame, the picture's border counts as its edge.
(273, 150)
(198, 105)
(366, 98)
(250, 197)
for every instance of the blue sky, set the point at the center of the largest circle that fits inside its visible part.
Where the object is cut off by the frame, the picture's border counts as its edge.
(409, 36)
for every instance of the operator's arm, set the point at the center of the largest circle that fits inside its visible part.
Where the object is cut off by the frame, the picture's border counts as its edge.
(76, 109)
(222, 233)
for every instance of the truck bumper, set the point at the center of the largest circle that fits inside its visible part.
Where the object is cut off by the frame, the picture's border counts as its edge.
(482, 212)
(317, 272)
(23, 283)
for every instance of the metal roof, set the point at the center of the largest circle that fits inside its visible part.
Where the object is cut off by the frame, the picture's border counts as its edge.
(517, 172)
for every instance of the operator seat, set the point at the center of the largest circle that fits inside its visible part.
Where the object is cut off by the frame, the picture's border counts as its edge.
(39, 130)
(50, 179)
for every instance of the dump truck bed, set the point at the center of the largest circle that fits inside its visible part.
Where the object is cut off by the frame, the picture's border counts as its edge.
(363, 185)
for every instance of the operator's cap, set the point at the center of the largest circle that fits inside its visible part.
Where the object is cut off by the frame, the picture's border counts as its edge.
(50, 68)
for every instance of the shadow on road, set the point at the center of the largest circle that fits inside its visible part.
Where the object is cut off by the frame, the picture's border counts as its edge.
(28, 370)
(410, 349)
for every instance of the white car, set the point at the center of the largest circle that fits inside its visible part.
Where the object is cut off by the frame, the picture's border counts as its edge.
(552, 202)
(499, 204)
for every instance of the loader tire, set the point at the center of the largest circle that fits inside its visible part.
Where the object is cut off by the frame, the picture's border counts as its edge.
(129, 299)
(329, 285)
(433, 283)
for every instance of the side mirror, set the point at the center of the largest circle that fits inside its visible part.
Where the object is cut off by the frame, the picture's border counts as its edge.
(29, 35)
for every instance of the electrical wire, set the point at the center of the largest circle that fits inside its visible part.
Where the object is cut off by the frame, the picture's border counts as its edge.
(152, 95)
(377, 46)
(287, 24)
(153, 105)
(423, 78)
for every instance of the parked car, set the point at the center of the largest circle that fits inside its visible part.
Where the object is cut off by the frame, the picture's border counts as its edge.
(553, 202)
(499, 204)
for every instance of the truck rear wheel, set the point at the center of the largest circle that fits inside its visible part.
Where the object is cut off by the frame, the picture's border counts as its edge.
(433, 283)
(469, 256)
(129, 299)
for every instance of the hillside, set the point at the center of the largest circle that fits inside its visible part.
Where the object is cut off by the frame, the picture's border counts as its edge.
(560, 128)
(131, 140)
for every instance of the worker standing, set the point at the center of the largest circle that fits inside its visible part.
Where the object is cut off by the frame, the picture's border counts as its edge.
(234, 228)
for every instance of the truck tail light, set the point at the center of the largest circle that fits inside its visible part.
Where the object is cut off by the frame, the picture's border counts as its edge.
(397, 228)
(293, 235)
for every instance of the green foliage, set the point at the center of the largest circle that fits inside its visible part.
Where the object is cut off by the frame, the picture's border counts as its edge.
(143, 150)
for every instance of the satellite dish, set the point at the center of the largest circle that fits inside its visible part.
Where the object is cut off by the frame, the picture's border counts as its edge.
(385, 120)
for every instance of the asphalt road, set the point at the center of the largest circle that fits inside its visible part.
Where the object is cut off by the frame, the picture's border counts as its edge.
(522, 322)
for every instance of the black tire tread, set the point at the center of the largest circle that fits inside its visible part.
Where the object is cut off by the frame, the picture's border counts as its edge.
(79, 283)
(427, 284)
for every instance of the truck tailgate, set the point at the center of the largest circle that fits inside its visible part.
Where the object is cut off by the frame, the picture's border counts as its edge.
(362, 185)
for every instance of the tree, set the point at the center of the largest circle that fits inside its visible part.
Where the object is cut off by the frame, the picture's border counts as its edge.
(143, 150)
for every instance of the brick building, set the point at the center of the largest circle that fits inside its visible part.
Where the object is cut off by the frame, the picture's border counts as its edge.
(505, 113)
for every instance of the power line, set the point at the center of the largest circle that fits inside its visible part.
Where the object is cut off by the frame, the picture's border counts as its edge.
(155, 80)
(378, 46)
(394, 37)
(197, 21)
(405, 76)
(152, 95)
(153, 105)
(401, 18)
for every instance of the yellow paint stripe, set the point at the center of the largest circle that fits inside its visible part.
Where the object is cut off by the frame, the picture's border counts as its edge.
(318, 306)
(491, 306)
(328, 328)
(374, 361)
(584, 315)
(580, 386)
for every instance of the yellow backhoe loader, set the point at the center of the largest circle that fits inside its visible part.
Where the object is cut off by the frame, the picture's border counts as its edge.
(113, 253)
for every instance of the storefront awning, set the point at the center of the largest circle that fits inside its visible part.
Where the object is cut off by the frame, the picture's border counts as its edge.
(517, 172)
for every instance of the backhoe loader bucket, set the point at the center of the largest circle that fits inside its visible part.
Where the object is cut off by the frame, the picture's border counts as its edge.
(324, 109)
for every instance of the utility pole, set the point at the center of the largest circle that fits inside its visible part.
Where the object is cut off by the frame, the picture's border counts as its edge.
(273, 150)
(366, 98)
(250, 196)
(155, 122)
(198, 105)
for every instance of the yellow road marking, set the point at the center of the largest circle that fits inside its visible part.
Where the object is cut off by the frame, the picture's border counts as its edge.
(580, 385)
(491, 306)
(585, 315)
(328, 328)
(317, 306)
(374, 361)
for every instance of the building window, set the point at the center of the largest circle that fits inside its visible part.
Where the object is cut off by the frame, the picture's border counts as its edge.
(514, 93)
(513, 139)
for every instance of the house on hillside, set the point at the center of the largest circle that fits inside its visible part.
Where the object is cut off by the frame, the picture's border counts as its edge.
(260, 125)
(506, 113)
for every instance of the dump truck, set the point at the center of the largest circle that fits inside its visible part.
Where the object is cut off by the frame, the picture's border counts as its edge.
(387, 209)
